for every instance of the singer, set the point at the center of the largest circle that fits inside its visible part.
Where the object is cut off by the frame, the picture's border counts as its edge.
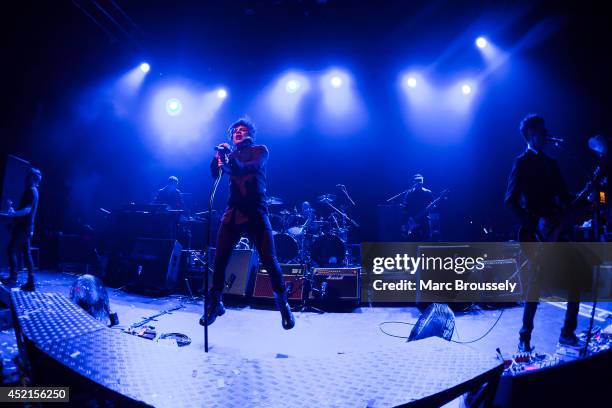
(246, 213)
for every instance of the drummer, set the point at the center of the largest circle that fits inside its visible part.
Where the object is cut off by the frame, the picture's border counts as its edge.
(308, 213)
(302, 219)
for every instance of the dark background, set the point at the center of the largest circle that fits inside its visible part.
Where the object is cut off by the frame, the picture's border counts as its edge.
(57, 63)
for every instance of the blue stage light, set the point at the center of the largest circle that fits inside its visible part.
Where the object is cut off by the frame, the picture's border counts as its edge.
(144, 67)
(411, 81)
(292, 85)
(221, 93)
(466, 89)
(336, 81)
(481, 42)
(173, 106)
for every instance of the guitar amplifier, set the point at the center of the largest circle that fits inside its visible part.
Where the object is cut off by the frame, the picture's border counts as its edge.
(499, 270)
(336, 285)
(294, 282)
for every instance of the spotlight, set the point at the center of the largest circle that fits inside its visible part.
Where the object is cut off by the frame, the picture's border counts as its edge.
(481, 42)
(221, 93)
(336, 81)
(292, 86)
(173, 106)
(466, 89)
(411, 82)
(144, 67)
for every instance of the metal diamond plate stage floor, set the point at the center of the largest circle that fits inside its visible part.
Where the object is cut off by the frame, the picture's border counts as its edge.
(162, 375)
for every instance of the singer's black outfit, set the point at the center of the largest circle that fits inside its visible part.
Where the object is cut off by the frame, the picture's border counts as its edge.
(22, 231)
(246, 212)
(415, 202)
(536, 189)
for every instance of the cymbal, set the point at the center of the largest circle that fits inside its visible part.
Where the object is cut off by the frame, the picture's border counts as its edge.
(205, 212)
(326, 198)
(274, 201)
(193, 220)
(285, 212)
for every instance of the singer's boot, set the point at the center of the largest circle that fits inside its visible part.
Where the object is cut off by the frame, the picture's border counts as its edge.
(285, 310)
(214, 308)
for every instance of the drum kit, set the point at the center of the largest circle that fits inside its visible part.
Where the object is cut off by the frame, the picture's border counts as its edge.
(303, 237)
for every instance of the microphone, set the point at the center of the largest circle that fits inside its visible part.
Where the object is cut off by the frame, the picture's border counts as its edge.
(222, 149)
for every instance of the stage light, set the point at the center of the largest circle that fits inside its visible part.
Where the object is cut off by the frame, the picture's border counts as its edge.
(144, 67)
(336, 81)
(292, 85)
(411, 81)
(481, 42)
(221, 93)
(466, 89)
(173, 106)
(341, 111)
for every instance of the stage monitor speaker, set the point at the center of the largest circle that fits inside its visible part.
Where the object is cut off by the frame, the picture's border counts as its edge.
(437, 320)
(293, 275)
(240, 272)
(336, 286)
(154, 264)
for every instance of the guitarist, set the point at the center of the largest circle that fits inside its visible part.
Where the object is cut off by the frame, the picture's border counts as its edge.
(22, 231)
(536, 192)
(416, 200)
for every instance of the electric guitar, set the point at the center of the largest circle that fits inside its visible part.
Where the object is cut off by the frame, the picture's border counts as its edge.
(417, 220)
(550, 229)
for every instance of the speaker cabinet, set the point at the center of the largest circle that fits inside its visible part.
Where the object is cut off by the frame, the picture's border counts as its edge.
(154, 264)
(293, 275)
(336, 286)
(240, 272)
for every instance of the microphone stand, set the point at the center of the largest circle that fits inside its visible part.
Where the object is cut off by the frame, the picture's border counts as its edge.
(206, 255)
(344, 216)
(396, 196)
(348, 197)
(598, 236)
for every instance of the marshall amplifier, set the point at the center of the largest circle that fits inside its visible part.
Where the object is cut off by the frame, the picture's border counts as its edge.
(294, 282)
(339, 286)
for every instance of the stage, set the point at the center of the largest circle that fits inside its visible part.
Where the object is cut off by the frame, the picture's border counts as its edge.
(257, 332)
(331, 359)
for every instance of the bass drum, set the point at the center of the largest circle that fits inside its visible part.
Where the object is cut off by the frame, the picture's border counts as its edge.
(286, 247)
(328, 251)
